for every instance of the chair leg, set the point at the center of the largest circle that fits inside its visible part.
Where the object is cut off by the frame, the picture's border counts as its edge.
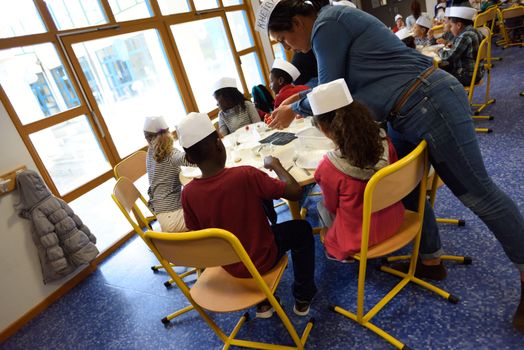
(169, 317)
(483, 130)
(465, 260)
(458, 222)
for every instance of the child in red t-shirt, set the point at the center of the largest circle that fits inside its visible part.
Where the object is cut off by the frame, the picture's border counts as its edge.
(362, 149)
(231, 199)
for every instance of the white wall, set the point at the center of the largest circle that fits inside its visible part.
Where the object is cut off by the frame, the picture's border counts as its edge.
(20, 275)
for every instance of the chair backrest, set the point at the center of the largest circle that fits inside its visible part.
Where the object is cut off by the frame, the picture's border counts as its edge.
(512, 12)
(132, 167)
(483, 18)
(126, 197)
(392, 183)
(204, 248)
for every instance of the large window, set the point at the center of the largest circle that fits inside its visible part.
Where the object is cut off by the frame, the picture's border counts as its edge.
(86, 73)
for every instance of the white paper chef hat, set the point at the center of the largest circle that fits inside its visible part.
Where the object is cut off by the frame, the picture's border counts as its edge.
(286, 67)
(329, 97)
(264, 13)
(462, 12)
(403, 33)
(225, 82)
(155, 124)
(397, 17)
(193, 128)
(446, 13)
(425, 22)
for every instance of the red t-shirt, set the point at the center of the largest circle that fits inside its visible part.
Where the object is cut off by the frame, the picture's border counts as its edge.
(232, 200)
(287, 91)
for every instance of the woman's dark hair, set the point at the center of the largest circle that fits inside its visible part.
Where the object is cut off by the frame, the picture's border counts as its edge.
(410, 42)
(282, 15)
(232, 95)
(355, 132)
(415, 9)
(279, 73)
(465, 22)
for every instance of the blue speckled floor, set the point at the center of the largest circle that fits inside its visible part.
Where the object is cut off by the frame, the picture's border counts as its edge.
(121, 304)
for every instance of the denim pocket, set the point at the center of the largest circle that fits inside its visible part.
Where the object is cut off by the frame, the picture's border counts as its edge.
(415, 108)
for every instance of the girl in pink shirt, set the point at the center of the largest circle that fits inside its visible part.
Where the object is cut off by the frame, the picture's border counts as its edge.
(362, 149)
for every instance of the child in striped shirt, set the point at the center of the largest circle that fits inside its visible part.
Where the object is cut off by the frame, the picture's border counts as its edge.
(163, 169)
(235, 110)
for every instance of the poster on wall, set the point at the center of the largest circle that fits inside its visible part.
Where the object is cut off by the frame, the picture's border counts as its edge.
(375, 3)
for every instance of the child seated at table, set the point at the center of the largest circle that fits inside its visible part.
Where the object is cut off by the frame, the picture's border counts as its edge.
(163, 163)
(235, 110)
(407, 37)
(420, 31)
(447, 37)
(362, 150)
(230, 199)
(460, 59)
(281, 78)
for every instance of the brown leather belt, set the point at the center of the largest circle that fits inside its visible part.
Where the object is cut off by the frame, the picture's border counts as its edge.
(402, 99)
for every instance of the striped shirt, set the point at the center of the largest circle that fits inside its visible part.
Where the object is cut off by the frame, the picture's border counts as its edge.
(164, 181)
(232, 119)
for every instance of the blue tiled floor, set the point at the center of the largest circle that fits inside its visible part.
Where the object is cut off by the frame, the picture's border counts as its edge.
(121, 304)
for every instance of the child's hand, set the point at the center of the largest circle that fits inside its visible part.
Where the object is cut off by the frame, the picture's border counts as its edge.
(268, 119)
(271, 163)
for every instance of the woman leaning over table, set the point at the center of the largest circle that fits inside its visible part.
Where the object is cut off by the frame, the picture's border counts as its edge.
(420, 102)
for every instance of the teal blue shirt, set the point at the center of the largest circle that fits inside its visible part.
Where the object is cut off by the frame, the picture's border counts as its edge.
(351, 44)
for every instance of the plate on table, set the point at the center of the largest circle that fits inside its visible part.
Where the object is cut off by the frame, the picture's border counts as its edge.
(310, 159)
(190, 172)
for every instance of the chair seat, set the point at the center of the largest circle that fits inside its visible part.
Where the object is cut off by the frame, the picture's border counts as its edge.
(408, 231)
(216, 290)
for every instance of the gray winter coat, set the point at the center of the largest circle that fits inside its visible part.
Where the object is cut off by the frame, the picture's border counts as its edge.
(63, 241)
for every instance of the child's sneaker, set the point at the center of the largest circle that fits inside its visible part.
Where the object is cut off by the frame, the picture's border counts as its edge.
(301, 308)
(264, 309)
(344, 261)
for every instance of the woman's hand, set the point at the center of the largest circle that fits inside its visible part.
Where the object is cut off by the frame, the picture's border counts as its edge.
(282, 117)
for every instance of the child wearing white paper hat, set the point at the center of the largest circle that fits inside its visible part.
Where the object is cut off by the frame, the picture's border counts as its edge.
(281, 79)
(235, 110)
(362, 149)
(163, 163)
(231, 199)
(399, 23)
(406, 36)
(420, 30)
(460, 59)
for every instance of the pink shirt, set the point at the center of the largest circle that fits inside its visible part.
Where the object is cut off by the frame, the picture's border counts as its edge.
(344, 197)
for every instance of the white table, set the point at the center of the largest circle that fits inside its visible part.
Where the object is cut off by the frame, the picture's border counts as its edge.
(245, 153)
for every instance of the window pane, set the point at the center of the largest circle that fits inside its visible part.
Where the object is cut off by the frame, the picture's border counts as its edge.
(231, 2)
(205, 4)
(103, 219)
(207, 57)
(76, 13)
(168, 7)
(22, 19)
(251, 70)
(36, 82)
(279, 51)
(130, 79)
(127, 10)
(71, 153)
(240, 29)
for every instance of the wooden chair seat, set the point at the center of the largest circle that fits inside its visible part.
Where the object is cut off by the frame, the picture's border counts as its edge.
(216, 290)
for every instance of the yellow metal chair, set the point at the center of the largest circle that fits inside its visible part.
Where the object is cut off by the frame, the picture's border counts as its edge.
(127, 197)
(511, 12)
(386, 187)
(483, 60)
(216, 290)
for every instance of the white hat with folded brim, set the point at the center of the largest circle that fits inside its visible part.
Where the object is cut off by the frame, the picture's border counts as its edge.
(404, 33)
(193, 128)
(264, 13)
(286, 67)
(329, 97)
(462, 12)
(425, 22)
(397, 17)
(224, 83)
(155, 124)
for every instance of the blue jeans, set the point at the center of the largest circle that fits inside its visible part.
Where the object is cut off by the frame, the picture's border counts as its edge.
(438, 112)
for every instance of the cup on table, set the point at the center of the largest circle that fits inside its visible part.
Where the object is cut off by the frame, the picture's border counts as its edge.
(266, 149)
